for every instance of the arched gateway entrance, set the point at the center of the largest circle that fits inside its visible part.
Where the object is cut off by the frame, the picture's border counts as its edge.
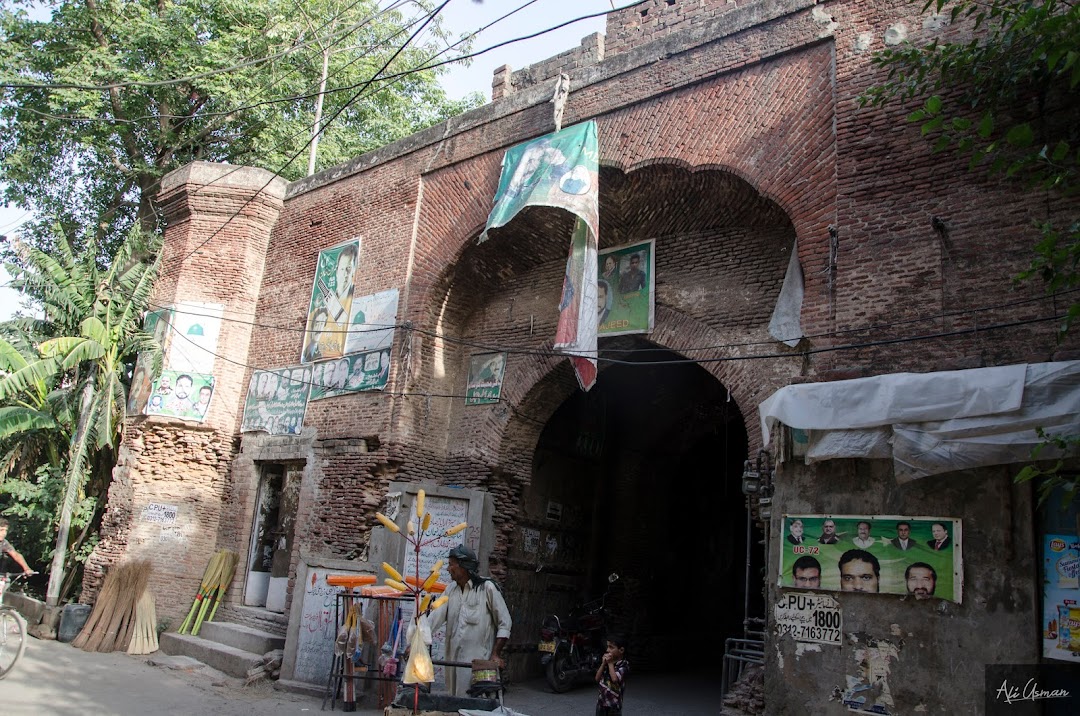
(639, 477)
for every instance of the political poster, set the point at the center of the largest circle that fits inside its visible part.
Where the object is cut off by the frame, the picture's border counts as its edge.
(157, 324)
(276, 400)
(194, 333)
(350, 374)
(329, 310)
(180, 394)
(561, 170)
(485, 378)
(371, 322)
(625, 298)
(913, 556)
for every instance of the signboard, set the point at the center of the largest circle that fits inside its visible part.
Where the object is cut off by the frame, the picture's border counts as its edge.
(350, 374)
(485, 378)
(808, 617)
(625, 289)
(372, 321)
(916, 556)
(276, 400)
(328, 316)
(181, 395)
(159, 513)
(1061, 597)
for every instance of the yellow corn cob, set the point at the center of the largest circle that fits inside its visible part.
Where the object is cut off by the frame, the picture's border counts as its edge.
(439, 602)
(412, 528)
(425, 602)
(426, 523)
(392, 572)
(456, 528)
(387, 522)
(420, 503)
(437, 568)
(395, 584)
(429, 581)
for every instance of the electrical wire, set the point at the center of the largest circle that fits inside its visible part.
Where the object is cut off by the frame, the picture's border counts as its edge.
(724, 346)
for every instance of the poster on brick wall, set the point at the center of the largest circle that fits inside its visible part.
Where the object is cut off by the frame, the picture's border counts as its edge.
(194, 336)
(485, 378)
(625, 299)
(276, 400)
(329, 310)
(350, 374)
(879, 554)
(179, 394)
(156, 323)
(371, 322)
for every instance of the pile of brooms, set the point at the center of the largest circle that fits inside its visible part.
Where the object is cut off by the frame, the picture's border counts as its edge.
(124, 616)
(216, 580)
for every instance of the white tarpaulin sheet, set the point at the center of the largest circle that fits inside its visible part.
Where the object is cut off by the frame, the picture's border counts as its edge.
(929, 423)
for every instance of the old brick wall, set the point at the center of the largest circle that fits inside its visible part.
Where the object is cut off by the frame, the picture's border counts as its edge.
(167, 464)
(219, 221)
(588, 53)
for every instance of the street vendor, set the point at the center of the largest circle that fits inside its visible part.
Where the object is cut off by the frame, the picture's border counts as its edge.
(477, 620)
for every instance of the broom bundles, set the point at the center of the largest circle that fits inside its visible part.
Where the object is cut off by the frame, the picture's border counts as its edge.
(114, 621)
(215, 580)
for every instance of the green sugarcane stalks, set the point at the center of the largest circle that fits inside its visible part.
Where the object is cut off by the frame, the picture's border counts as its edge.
(226, 577)
(209, 578)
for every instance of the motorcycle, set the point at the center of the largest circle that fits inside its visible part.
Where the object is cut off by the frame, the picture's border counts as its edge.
(571, 651)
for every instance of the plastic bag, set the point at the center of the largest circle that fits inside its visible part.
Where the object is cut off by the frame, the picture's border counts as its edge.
(419, 670)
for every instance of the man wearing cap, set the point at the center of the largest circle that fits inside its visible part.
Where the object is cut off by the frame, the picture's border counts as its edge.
(477, 620)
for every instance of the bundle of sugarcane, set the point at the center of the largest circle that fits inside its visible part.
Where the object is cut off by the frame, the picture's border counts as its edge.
(224, 579)
(209, 582)
(144, 638)
(215, 582)
(111, 623)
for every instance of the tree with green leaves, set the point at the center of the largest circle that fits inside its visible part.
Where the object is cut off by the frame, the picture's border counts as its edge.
(1005, 94)
(92, 333)
(101, 98)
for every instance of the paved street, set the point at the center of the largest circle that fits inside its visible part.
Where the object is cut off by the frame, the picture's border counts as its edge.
(56, 679)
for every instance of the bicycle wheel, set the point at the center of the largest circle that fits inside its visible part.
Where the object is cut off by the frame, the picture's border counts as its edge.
(12, 639)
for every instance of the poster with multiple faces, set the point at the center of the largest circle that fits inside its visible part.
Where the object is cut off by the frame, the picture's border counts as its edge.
(180, 394)
(276, 400)
(625, 300)
(914, 556)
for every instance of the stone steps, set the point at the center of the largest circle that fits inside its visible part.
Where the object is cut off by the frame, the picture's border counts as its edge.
(230, 648)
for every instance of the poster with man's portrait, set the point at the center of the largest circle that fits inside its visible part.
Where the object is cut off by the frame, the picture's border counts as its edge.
(485, 378)
(625, 301)
(156, 323)
(913, 556)
(330, 307)
(276, 400)
(181, 394)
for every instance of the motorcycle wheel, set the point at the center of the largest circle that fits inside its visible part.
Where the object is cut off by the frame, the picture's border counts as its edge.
(561, 673)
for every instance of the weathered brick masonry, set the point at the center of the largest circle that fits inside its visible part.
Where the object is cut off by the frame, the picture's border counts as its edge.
(728, 130)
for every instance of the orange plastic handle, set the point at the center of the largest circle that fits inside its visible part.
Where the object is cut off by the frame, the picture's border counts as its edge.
(350, 580)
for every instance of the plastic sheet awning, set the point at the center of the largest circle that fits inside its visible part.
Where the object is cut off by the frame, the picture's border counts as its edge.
(930, 423)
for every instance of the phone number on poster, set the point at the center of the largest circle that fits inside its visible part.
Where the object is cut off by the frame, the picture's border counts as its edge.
(805, 632)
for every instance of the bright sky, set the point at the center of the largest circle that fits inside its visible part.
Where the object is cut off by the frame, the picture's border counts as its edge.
(460, 17)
